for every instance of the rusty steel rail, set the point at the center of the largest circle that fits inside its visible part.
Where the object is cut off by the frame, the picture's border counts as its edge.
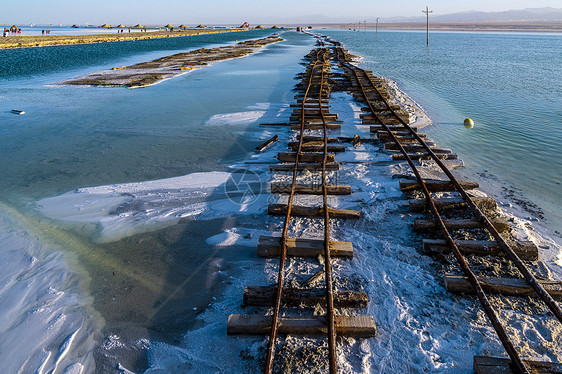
(517, 362)
(332, 353)
(327, 260)
(283, 255)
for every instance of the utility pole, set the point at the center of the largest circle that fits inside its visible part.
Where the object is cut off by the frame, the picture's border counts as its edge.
(365, 23)
(427, 11)
(377, 28)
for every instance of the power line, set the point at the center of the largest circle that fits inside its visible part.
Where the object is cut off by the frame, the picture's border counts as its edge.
(427, 11)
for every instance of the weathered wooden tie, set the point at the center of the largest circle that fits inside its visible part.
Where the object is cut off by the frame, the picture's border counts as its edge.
(419, 205)
(400, 134)
(267, 143)
(304, 157)
(318, 148)
(306, 211)
(324, 105)
(415, 148)
(403, 139)
(270, 246)
(496, 365)
(317, 125)
(386, 117)
(426, 156)
(265, 296)
(313, 138)
(502, 286)
(526, 250)
(252, 324)
(381, 108)
(315, 147)
(435, 185)
(368, 121)
(315, 111)
(313, 167)
(500, 224)
(331, 189)
(377, 128)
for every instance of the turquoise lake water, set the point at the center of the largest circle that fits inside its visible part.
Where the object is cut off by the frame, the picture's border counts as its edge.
(510, 84)
(81, 136)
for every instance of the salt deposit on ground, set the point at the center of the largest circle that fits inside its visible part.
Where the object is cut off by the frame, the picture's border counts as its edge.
(37, 290)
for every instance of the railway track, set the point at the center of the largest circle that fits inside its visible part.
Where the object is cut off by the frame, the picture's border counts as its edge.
(311, 153)
(461, 226)
(393, 129)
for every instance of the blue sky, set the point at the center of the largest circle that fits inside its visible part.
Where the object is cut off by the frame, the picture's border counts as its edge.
(237, 11)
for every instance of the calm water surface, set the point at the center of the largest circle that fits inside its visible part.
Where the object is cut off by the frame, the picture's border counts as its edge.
(83, 136)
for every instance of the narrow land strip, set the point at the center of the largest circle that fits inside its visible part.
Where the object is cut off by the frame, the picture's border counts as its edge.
(151, 72)
(23, 41)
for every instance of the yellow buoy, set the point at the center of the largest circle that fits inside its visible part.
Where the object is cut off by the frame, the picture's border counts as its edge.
(468, 123)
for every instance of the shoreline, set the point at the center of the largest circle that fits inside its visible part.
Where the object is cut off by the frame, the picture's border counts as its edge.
(31, 41)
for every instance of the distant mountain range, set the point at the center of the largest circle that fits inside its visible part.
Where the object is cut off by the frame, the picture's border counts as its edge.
(547, 14)
(529, 14)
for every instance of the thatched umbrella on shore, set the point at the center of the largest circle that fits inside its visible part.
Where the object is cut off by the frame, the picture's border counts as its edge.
(169, 25)
(121, 26)
(260, 27)
(276, 27)
(182, 26)
(105, 26)
(139, 26)
(201, 26)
